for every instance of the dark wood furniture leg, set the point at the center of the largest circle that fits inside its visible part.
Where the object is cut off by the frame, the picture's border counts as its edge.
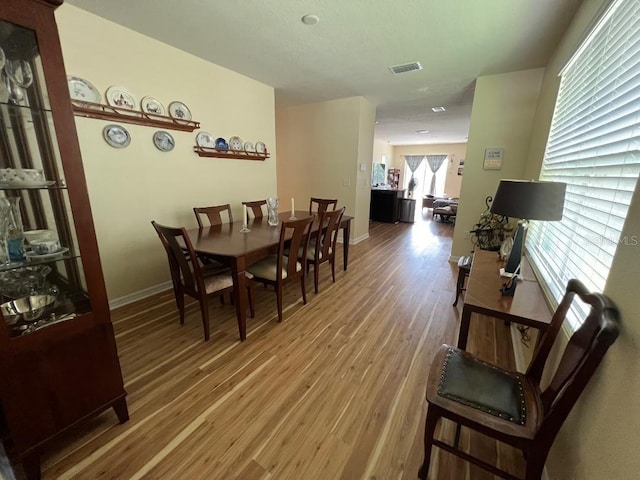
(31, 466)
(240, 299)
(463, 335)
(121, 409)
(346, 234)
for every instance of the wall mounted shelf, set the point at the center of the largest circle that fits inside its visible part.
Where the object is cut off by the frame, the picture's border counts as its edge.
(239, 155)
(136, 117)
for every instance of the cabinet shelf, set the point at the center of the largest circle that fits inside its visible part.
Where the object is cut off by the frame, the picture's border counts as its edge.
(238, 155)
(136, 117)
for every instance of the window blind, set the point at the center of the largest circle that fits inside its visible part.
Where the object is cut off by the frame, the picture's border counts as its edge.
(594, 147)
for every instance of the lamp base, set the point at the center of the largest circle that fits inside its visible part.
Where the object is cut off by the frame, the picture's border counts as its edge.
(509, 287)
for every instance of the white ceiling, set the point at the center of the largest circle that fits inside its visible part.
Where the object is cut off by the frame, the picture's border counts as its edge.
(347, 53)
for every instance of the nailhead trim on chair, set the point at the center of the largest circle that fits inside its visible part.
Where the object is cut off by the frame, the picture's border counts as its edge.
(483, 408)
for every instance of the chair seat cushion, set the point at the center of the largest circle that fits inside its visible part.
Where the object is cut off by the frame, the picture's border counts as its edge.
(267, 268)
(480, 385)
(215, 283)
(311, 253)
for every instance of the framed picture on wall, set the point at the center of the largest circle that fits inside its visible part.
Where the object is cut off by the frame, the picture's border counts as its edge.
(493, 158)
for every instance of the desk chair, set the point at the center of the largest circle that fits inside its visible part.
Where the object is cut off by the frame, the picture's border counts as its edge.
(509, 406)
(281, 268)
(322, 205)
(189, 278)
(213, 214)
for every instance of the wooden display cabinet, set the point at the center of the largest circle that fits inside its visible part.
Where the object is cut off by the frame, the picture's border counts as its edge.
(60, 367)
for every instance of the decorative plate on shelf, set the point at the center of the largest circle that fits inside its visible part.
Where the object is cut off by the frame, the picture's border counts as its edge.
(221, 144)
(163, 141)
(235, 143)
(81, 89)
(205, 139)
(36, 256)
(179, 110)
(117, 136)
(261, 147)
(120, 97)
(248, 147)
(151, 105)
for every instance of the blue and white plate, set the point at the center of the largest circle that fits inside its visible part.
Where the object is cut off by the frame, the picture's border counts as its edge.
(221, 144)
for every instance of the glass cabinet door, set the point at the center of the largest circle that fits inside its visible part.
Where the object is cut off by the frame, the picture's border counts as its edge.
(41, 274)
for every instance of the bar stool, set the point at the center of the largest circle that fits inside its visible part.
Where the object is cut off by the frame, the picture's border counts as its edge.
(464, 267)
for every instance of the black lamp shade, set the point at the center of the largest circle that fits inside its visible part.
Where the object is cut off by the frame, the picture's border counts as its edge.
(530, 200)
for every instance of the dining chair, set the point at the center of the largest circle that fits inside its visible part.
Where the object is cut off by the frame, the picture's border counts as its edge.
(256, 208)
(322, 205)
(213, 214)
(510, 406)
(323, 247)
(190, 278)
(279, 269)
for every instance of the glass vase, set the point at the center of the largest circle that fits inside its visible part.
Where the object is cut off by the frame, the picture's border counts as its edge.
(11, 221)
(272, 211)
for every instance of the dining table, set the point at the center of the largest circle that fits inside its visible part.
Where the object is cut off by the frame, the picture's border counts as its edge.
(229, 245)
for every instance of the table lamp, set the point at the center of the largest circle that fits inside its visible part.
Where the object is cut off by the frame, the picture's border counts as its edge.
(526, 200)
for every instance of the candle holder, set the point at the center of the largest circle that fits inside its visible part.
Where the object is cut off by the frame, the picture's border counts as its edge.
(244, 229)
(293, 217)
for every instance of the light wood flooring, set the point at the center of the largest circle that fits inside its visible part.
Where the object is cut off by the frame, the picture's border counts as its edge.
(335, 391)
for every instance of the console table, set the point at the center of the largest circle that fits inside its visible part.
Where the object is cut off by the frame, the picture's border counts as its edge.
(527, 307)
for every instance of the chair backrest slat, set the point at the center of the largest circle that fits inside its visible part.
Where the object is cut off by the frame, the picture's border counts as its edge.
(256, 208)
(327, 240)
(213, 214)
(181, 256)
(298, 243)
(322, 205)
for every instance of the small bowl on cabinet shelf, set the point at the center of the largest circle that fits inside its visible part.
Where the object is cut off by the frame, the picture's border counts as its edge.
(28, 309)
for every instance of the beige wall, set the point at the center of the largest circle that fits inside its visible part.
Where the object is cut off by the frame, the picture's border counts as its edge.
(455, 151)
(321, 147)
(600, 438)
(380, 148)
(130, 187)
(504, 108)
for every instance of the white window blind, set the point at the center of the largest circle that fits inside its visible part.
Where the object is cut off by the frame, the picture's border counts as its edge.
(594, 147)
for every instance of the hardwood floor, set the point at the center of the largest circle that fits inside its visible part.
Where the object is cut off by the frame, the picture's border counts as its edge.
(335, 391)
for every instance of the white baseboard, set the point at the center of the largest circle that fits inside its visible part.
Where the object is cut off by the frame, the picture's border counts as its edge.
(139, 295)
(353, 241)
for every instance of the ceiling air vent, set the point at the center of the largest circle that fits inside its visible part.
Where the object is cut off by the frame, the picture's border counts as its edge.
(407, 67)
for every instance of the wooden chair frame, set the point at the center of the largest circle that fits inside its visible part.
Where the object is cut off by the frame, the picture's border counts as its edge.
(325, 245)
(546, 410)
(188, 277)
(256, 208)
(213, 213)
(323, 204)
(298, 230)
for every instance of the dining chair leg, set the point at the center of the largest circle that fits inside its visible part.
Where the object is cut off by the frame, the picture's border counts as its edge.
(303, 287)
(180, 303)
(429, 431)
(535, 464)
(252, 309)
(333, 268)
(204, 310)
(279, 300)
(316, 277)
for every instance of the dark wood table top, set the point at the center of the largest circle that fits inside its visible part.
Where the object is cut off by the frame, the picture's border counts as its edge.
(227, 240)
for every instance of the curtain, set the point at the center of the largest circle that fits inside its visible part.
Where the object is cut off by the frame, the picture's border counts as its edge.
(435, 162)
(413, 162)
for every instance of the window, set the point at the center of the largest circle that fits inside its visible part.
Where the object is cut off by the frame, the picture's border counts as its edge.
(594, 147)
